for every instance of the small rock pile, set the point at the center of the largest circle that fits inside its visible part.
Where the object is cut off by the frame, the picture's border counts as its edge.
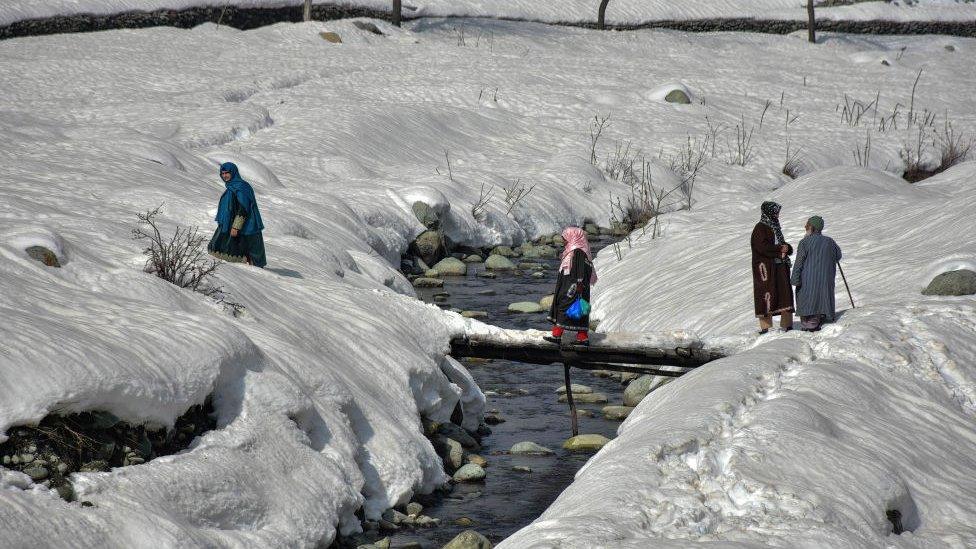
(60, 445)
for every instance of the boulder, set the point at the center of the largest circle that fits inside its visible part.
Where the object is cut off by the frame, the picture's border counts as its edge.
(455, 453)
(474, 314)
(546, 302)
(575, 388)
(429, 246)
(529, 266)
(331, 37)
(451, 267)
(428, 217)
(616, 413)
(457, 433)
(585, 442)
(678, 96)
(591, 229)
(962, 282)
(589, 398)
(469, 539)
(414, 508)
(469, 473)
(525, 307)
(487, 274)
(474, 258)
(540, 252)
(641, 387)
(529, 448)
(504, 251)
(44, 255)
(425, 282)
(558, 241)
(497, 262)
(367, 26)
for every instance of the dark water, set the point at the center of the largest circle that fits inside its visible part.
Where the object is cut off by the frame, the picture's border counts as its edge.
(525, 396)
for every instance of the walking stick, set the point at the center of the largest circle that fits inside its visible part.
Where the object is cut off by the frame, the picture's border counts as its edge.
(845, 285)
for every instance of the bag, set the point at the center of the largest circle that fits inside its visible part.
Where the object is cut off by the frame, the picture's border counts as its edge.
(579, 309)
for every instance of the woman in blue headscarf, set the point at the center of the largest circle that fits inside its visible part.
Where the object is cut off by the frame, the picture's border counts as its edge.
(238, 235)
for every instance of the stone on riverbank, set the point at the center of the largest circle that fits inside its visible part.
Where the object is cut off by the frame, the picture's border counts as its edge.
(641, 387)
(525, 307)
(457, 433)
(539, 252)
(450, 266)
(429, 246)
(529, 448)
(522, 469)
(531, 266)
(426, 282)
(478, 460)
(590, 398)
(617, 413)
(474, 314)
(585, 443)
(469, 473)
(499, 263)
(546, 302)
(469, 539)
(414, 509)
(455, 453)
(576, 388)
(504, 251)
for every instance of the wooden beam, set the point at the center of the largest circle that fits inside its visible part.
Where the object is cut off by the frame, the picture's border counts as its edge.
(543, 352)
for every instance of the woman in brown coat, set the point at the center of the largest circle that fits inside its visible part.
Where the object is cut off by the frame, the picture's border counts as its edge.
(771, 271)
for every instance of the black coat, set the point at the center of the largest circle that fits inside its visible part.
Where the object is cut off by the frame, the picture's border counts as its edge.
(568, 288)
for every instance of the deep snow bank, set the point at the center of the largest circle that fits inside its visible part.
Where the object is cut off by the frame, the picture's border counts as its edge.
(806, 439)
(803, 441)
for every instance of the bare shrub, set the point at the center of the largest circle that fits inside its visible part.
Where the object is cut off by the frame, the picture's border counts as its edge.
(620, 163)
(740, 151)
(791, 166)
(182, 259)
(597, 125)
(954, 147)
(515, 193)
(912, 153)
(687, 163)
(479, 210)
(644, 203)
(854, 110)
(862, 154)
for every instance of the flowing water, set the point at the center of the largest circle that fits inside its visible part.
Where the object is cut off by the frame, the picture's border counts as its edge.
(525, 396)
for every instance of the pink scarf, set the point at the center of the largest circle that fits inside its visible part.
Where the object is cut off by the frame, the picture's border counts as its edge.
(575, 240)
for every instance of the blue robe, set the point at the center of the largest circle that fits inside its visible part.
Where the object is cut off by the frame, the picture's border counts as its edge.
(813, 275)
(238, 204)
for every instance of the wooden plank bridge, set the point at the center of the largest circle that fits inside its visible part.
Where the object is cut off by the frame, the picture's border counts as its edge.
(634, 353)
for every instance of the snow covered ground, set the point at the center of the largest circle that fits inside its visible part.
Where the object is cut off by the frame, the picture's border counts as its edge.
(618, 12)
(320, 386)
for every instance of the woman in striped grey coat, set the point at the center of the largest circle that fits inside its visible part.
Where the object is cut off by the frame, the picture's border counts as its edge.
(813, 275)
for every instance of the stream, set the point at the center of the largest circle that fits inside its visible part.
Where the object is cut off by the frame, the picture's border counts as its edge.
(524, 395)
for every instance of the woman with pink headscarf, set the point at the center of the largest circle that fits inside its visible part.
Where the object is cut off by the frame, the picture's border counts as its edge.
(576, 275)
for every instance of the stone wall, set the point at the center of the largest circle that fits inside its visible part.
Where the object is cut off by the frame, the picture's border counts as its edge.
(249, 18)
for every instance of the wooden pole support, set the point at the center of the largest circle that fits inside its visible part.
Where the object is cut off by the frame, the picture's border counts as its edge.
(569, 398)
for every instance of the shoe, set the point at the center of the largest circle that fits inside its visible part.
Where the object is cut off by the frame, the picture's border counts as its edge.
(583, 343)
(788, 328)
(763, 332)
(551, 339)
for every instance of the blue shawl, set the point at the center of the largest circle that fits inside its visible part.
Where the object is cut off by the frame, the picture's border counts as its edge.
(242, 191)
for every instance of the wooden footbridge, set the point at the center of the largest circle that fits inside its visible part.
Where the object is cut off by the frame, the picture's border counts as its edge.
(664, 355)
